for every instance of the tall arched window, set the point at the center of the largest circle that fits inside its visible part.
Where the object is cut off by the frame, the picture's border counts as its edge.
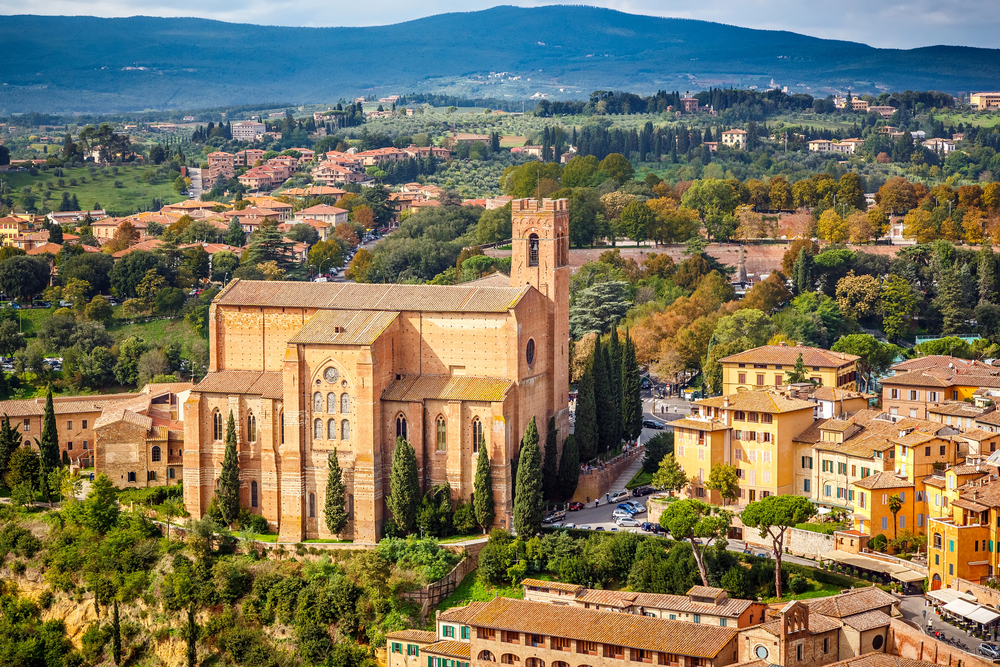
(312, 505)
(156, 453)
(317, 402)
(317, 429)
(331, 429)
(281, 426)
(442, 435)
(217, 425)
(251, 428)
(345, 404)
(345, 430)
(331, 403)
(477, 434)
(253, 494)
(401, 427)
(533, 250)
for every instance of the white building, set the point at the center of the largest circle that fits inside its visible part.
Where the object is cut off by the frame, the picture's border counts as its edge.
(247, 130)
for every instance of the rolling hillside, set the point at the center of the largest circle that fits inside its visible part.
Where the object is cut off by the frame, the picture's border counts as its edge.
(66, 64)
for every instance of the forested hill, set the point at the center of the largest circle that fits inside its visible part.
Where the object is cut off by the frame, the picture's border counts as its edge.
(66, 64)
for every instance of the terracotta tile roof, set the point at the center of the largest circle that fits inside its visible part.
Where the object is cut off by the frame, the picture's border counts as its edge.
(118, 413)
(990, 418)
(758, 401)
(914, 439)
(977, 435)
(705, 592)
(868, 620)
(970, 505)
(919, 378)
(410, 388)
(461, 614)
(552, 585)
(730, 607)
(267, 384)
(838, 425)
(956, 409)
(344, 327)
(930, 361)
(856, 601)
(752, 663)
(51, 248)
(699, 425)
(788, 354)
(881, 660)
(934, 480)
(629, 630)
(450, 648)
(357, 296)
(885, 479)
(321, 209)
(812, 434)
(834, 394)
(166, 387)
(818, 624)
(620, 599)
(413, 635)
(21, 408)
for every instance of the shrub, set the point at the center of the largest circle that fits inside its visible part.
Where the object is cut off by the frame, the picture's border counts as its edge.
(18, 567)
(878, 543)
(798, 584)
(253, 523)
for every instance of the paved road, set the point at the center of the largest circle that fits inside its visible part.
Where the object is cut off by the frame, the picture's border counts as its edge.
(913, 608)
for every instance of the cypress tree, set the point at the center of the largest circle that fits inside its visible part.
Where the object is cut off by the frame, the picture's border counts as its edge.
(482, 501)
(631, 392)
(48, 446)
(191, 634)
(550, 467)
(602, 400)
(614, 351)
(986, 273)
(569, 469)
(335, 507)
(228, 493)
(586, 417)
(116, 633)
(10, 439)
(802, 279)
(528, 498)
(404, 488)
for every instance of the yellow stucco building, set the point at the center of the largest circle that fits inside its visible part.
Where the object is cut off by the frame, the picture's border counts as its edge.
(766, 366)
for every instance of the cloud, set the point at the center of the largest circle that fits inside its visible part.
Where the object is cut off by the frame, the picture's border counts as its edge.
(881, 23)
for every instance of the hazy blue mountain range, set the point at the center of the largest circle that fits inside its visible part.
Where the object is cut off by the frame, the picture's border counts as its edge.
(66, 64)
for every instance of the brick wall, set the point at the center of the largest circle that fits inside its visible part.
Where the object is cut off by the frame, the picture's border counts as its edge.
(597, 483)
(908, 642)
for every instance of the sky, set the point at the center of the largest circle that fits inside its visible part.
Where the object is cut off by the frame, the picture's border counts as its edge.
(880, 23)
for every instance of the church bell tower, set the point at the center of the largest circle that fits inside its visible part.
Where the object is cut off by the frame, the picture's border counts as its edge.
(540, 258)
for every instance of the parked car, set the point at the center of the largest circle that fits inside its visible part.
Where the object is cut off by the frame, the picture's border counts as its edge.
(621, 514)
(620, 496)
(627, 507)
(637, 508)
(585, 526)
(599, 528)
(652, 423)
(569, 526)
(627, 523)
(642, 491)
(321, 279)
(991, 651)
(646, 526)
(575, 505)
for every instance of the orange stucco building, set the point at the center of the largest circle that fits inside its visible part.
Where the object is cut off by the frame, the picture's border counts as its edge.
(313, 370)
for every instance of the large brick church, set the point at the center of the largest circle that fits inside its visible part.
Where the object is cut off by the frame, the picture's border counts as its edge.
(308, 369)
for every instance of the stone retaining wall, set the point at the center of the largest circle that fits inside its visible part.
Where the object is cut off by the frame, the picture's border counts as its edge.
(596, 483)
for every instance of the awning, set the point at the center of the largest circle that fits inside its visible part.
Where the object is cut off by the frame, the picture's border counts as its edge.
(960, 608)
(947, 595)
(984, 615)
(907, 576)
(974, 612)
(896, 571)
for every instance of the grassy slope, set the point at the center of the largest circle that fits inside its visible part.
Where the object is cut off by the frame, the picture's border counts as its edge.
(99, 188)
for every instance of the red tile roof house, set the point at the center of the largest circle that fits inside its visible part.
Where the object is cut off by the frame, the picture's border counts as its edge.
(322, 228)
(251, 218)
(324, 213)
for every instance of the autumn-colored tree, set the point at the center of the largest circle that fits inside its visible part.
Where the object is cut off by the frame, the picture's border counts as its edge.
(345, 232)
(804, 193)
(950, 230)
(674, 223)
(990, 198)
(768, 294)
(792, 254)
(750, 225)
(832, 227)
(860, 228)
(361, 266)
(851, 191)
(918, 225)
(615, 202)
(879, 221)
(780, 194)
(125, 237)
(363, 215)
(970, 196)
(897, 195)
(972, 225)
(661, 265)
(858, 296)
(757, 193)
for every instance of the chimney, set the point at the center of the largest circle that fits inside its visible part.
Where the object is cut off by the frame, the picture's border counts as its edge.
(725, 401)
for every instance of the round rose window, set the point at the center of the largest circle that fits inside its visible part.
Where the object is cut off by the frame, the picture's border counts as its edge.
(331, 374)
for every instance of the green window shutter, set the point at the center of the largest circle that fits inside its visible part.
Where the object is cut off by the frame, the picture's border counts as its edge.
(430, 661)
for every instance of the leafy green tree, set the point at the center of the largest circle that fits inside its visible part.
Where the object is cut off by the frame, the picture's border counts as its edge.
(876, 357)
(895, 505)
(586, 416)
(614, 353)
(48, 446)
(698, 523)
(897, 305)
(130, 270)
(669, 476)
(404, 487)
(94, 268)
(637, 220)
(528, 492)
(228, 493)
(617, 167)
(335, 508)
(986, 273)
(23, 468)
(98, 310)
(11, 339)
(550, 467)
(130, 351)
(569, 469)
(325, 255)
(100, 507)
(22, 277)
(598, 307)
(723, 478)
(657, 447)
(631, 392)
(798, 373)
(483, 506)
(773, 516)
(10, 440)
(116, 631)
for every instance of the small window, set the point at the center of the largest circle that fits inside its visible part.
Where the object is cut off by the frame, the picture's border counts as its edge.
(251, 428)
(533, 250)
(477, 434)
(86, 445)
(331, 403)
(312, 505)
(217, 425)
(27, 425)
(155, 453)
(150, 475)
(69, 446)
(345, 404)
(253, 493)
(331, 429)
(318, 429)
(84, 423)
(281, 426)
(131, 477)
(170, 473)
(442, 435)
(529, 352)
(69, 425)
(317, 402)
(345, 430)
(401, 427)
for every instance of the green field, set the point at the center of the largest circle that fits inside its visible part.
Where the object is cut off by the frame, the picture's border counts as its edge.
(134, 195)
(969, 118)
(159, 332)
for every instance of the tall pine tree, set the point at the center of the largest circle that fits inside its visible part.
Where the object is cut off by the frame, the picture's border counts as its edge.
(631, 392)
(986, 273)
(48, 446)
(228, 493)
(569, 469)
(404, 487)
(602, 400)
(116, 633)
(335, 507)
(614, 350)
(586, 416)
(550, 466)
(482, 488)
(528, 494)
